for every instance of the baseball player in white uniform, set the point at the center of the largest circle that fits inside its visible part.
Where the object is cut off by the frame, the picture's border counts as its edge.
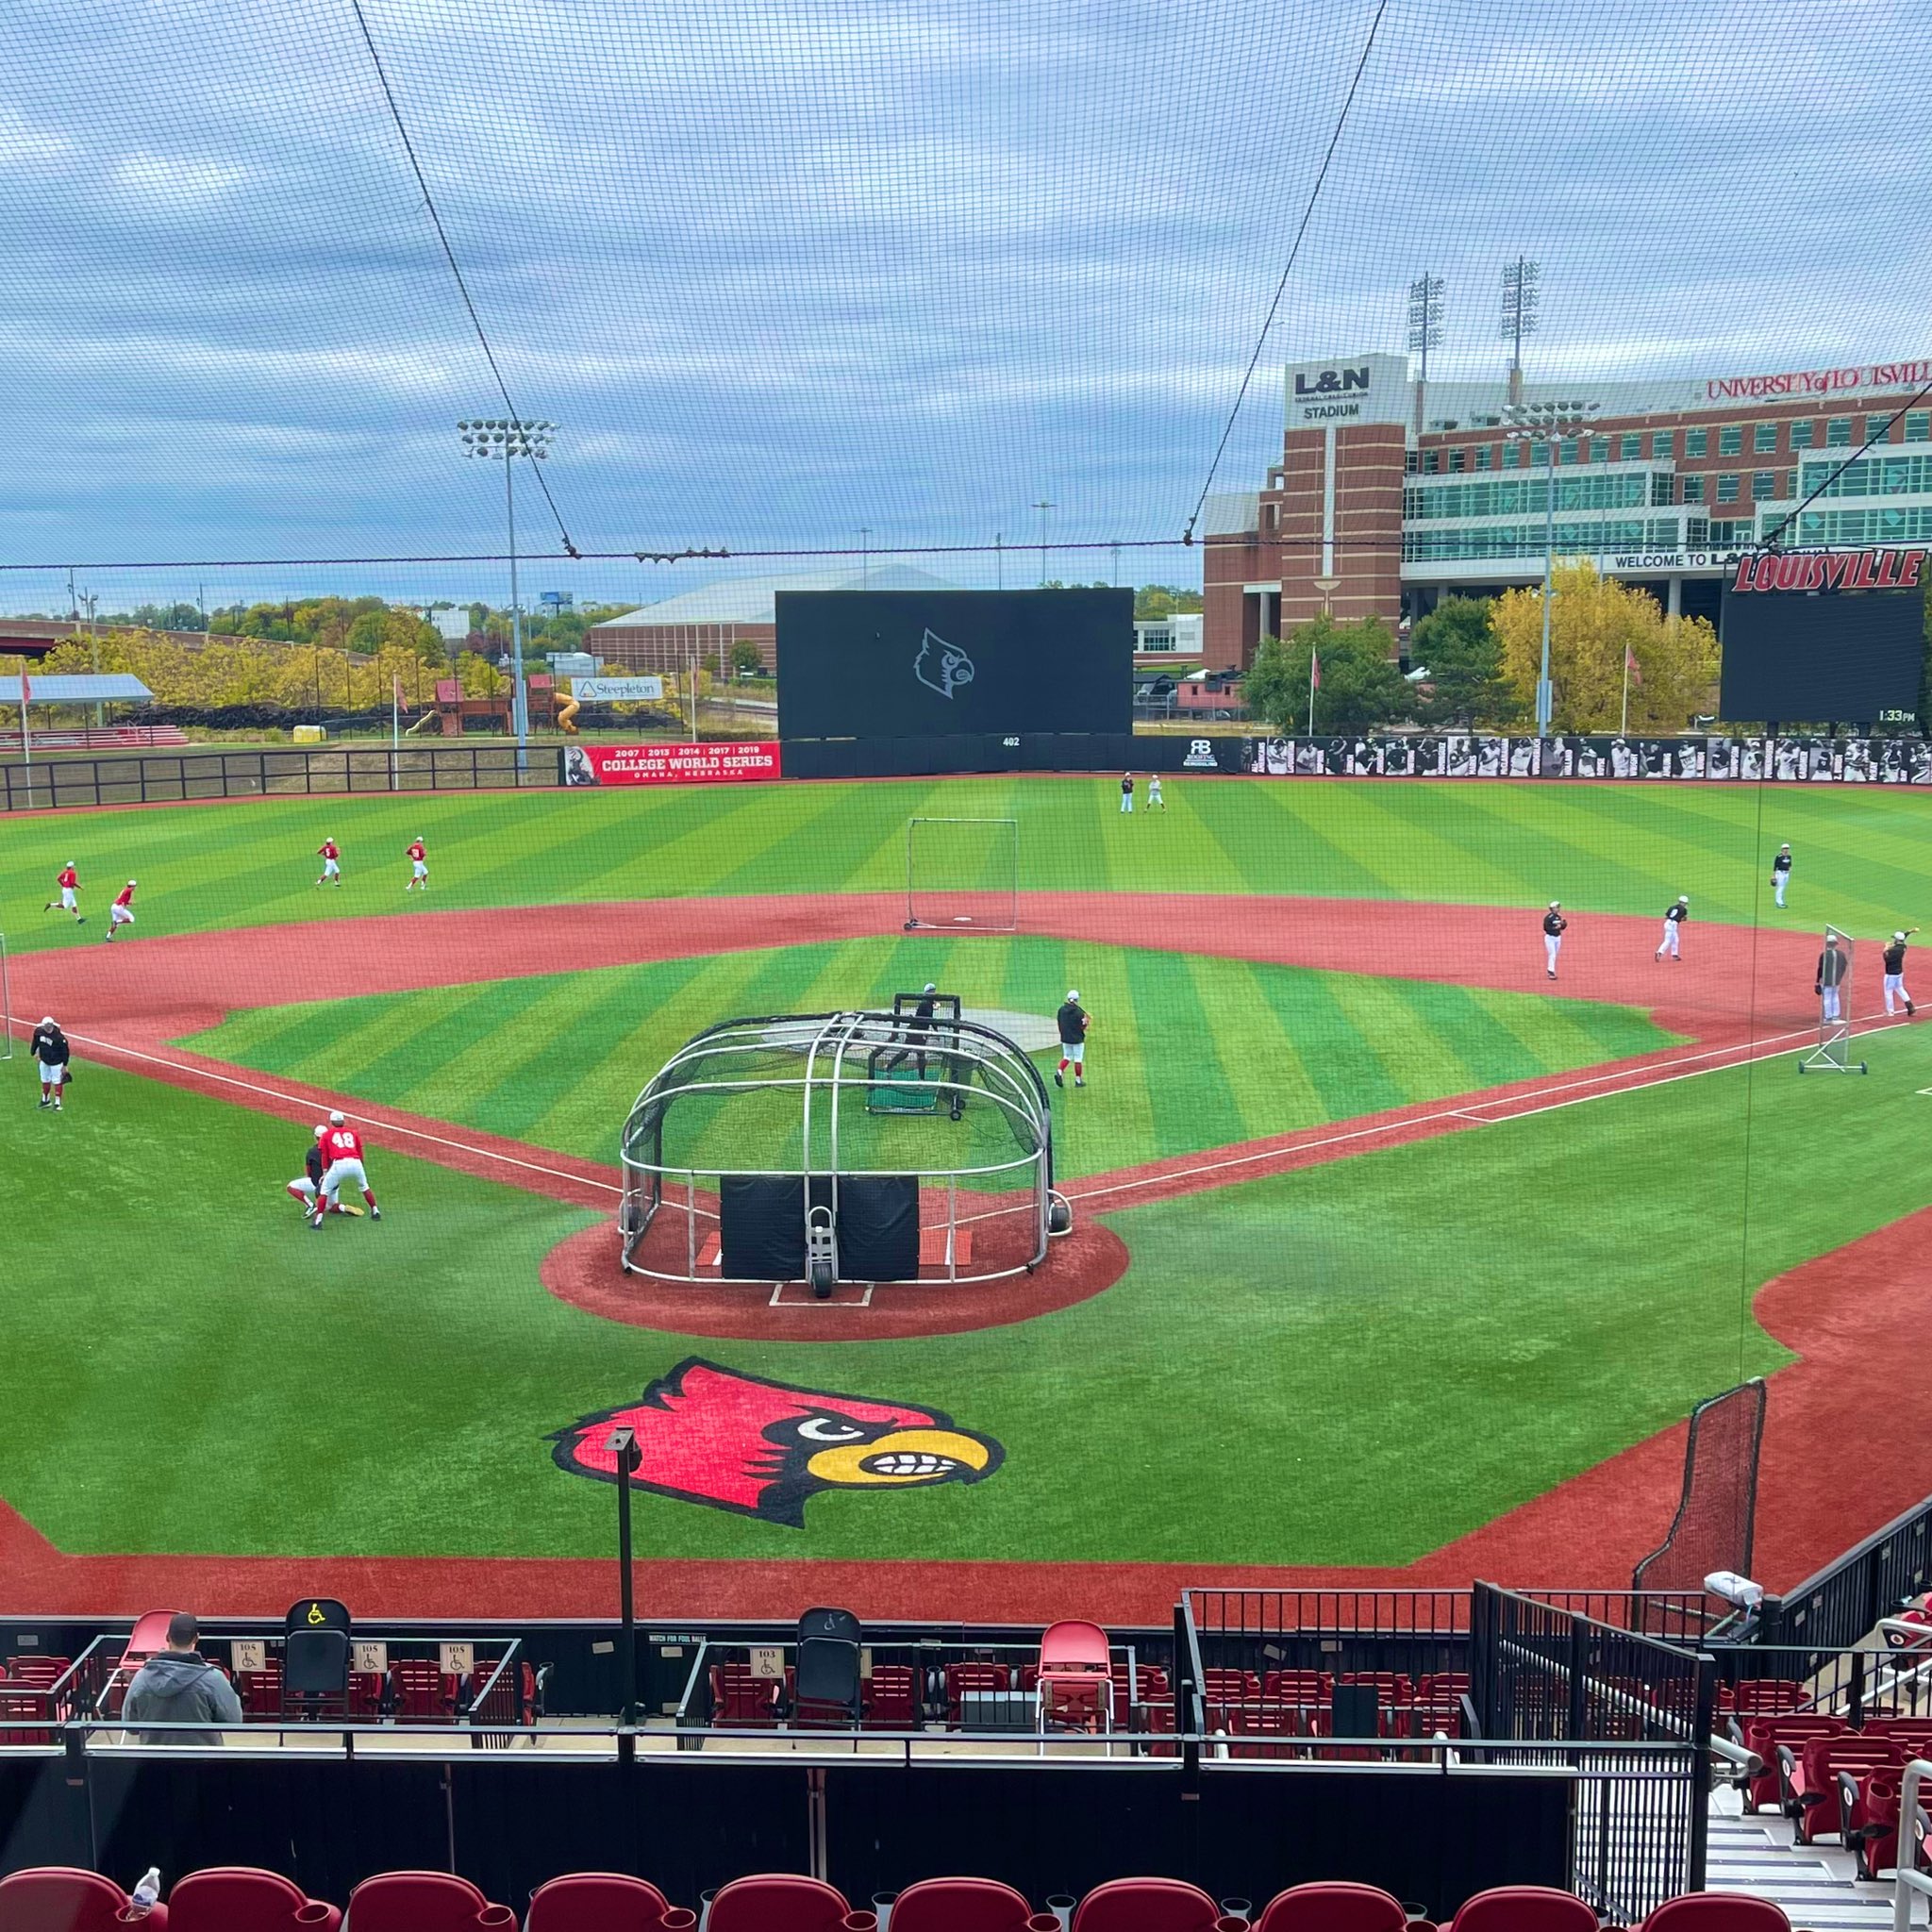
(1674, 917)
(1780, 875)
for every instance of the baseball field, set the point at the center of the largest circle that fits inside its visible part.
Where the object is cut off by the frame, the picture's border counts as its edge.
(1394, 1258)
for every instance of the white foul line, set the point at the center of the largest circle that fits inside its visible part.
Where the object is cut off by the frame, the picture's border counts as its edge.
(385, 1127)
(1638, 1079)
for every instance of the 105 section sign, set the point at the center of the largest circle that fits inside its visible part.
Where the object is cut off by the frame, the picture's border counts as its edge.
(666, 764)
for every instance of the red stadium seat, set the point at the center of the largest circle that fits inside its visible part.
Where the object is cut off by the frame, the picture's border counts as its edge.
(236, 1898)
(423, 1692)
(1765, 1694)
(260, 1692)
(596, 1902)
(424, 1902)
(776, 1902)
(25, 1716)
(55, 1898)
(1523, 1909)
(892, 1698)
(960, 1904)
(741, 1701)
(1145, 1905)
(1716, 1911)
(1766, 1736)
(513, 1698)
(1335, 1907)
(962, 1678)
(1813, 1783)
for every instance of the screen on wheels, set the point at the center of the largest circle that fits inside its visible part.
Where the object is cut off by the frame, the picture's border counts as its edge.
(915, 663)
(1814, 639)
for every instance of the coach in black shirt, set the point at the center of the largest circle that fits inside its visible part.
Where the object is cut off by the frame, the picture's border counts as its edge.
(51, 1050)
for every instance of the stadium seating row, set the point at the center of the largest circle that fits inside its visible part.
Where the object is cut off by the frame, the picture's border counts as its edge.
(1834, 1781)
(241, 1900)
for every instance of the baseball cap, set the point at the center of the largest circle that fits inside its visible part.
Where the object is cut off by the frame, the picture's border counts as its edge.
(322, 1130)
(1553, 904)
(1683, 899)
(134, 882)
(929, 987)
(1074, 995)
(1898, 934)
(47, 1019)
(335, 1120)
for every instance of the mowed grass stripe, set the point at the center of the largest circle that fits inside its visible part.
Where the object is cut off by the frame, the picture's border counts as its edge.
(1192, 1100)
(1254, 1058)
(1335, 1073)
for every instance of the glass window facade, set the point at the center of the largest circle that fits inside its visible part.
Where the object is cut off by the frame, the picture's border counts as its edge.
(1763, 485)
(1727, 489)
(1694, 488)
(1506, 496)
(1600, 449)
(1567, 449)
(1838, 432)
(1663, 445)
(1875, 429)
(1582, 539)
(1872, 476)
(1854, 526)
(1485, 456)
(1918, 425)
(1512, 456)
(1730, 440)
(1630, 447)
(1696, 442)
(1804, 435)
(1764, 438)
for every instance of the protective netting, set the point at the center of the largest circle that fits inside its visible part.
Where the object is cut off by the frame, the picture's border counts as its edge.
(1717, 1512)
(896, 276)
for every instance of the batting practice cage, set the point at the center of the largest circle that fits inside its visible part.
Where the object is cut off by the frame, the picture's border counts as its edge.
(909, 1146)
(962, 874)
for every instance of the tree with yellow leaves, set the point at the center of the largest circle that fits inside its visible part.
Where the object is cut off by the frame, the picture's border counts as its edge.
(1594, 621)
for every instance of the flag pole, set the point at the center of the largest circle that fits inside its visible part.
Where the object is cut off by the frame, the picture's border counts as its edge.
(1624, 729)
(26, 738)
(1314, 658)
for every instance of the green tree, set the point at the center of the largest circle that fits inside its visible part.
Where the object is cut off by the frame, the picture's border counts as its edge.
(1164, 600)
(1457, 646)
(745, 657)
(1360, 689)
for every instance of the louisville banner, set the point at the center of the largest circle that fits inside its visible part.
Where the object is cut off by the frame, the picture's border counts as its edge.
(666, 764)
(1810, 761)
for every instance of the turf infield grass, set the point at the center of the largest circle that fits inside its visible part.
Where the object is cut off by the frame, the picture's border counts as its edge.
(1862, 852)
(1186, 1052)
(1350, 1364)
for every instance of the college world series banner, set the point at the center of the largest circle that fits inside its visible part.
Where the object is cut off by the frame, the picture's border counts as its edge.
(666, 764)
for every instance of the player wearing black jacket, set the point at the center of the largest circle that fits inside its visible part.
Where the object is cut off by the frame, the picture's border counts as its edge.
(1071, 1023)
(1895, 972)
(1554, 925)
(1832, 966)
(50, 1049)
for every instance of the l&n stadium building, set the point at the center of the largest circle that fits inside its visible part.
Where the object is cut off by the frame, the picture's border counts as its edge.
(1390, 493)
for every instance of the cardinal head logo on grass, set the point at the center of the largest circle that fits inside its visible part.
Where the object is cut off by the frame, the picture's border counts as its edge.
(706, 1434)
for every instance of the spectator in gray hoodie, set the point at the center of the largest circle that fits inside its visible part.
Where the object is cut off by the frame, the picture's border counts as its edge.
(180, 1687)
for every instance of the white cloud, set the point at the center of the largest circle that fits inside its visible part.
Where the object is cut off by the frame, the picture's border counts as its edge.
(181, 179)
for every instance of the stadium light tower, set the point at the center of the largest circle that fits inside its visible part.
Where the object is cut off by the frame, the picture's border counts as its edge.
(1424, 333)
(1545, 423)
(508, 437)
(1519, 315)
(1042, 506)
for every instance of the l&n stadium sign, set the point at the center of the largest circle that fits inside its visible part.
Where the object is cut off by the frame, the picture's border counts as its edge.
(1801, 383)
(1833, 570)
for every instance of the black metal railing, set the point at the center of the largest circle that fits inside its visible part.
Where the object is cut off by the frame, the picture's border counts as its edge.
(171, 777)
(1844, 1602)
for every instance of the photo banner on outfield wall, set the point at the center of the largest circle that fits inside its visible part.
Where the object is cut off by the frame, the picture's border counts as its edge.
(666, 764)
(1844, 760)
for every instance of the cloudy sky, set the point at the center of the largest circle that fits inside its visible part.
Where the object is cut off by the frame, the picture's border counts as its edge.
(783, 270)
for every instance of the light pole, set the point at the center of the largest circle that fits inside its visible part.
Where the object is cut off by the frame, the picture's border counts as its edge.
(1545, 423)
(1042, 506)
(1520, 299)
(864, 553)
(510, 436)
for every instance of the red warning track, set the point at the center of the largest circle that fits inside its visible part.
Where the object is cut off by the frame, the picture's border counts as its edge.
(1737, 991)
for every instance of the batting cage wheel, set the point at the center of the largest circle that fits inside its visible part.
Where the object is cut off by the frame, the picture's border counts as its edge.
(808, 1148)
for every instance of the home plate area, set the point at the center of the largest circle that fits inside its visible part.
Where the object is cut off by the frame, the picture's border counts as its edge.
(938, 1247)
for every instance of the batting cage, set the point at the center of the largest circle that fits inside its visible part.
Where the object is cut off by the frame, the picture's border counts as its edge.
(908, 1145)
(962, 874)
(1717, 1510)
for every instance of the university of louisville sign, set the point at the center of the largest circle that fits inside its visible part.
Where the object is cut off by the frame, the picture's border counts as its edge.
(1837, 570)
(1803, 383)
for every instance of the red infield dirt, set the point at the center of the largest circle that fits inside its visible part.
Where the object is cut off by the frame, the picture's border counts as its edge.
(1736, 993)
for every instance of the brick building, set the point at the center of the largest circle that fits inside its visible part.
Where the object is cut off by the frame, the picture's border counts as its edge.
(1389, 496)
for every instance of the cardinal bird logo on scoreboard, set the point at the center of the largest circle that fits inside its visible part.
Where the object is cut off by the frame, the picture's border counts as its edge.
(706, 1434)
(940, 666)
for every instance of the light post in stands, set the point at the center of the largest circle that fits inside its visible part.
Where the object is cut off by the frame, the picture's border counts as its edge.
(623, 1445)
(510, 436)
(1545, 423)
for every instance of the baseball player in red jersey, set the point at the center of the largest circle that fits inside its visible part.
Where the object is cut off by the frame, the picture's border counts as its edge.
(331, 855)
(121, 912)
(69, 885)
(419, 867)
(342, 1149)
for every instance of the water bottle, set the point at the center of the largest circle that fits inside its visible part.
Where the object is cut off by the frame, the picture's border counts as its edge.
(147, 1894)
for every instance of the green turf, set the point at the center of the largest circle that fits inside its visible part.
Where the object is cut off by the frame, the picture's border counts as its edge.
(1186, 1052)
(1350, 1364)
(1627, 848)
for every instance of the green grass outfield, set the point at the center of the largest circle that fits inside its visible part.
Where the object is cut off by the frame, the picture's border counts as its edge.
(1862, 853)
(559, 1061)
(1349, 1364)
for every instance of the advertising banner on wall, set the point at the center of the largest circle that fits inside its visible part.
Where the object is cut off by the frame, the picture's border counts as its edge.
(666, 764)
(617, 691)
(1842, 760)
